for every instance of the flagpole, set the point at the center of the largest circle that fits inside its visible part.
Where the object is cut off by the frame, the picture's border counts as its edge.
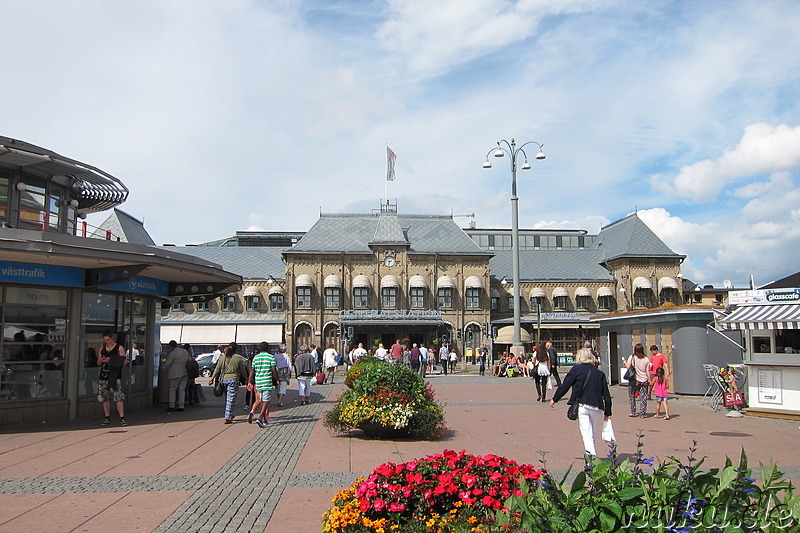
(386, 179)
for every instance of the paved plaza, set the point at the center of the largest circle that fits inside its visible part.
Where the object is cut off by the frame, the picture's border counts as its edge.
(190, 472)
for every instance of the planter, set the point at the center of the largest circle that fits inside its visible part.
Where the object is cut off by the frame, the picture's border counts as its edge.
(378, 431)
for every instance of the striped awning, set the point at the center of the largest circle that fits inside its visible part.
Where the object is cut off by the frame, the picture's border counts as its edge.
(538, 292)
(303, 280)
(775, 316)
(642, 283)
(332, 281)
(583, 291)
(361, 281)
(251, 291)
(417, 282)
(605, 291)
(473, 282)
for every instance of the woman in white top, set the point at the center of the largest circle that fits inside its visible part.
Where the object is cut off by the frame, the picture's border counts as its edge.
(640, 381)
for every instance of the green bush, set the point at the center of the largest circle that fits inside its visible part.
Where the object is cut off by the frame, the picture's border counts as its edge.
(676, 497)
(386, 400)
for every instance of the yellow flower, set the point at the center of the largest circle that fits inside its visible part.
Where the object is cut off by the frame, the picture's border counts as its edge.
(472, 519)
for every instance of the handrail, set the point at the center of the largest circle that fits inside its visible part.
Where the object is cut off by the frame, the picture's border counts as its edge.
(38, 220)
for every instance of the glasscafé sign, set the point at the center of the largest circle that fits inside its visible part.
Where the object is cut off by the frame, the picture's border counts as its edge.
(765, 296)
(390, 314)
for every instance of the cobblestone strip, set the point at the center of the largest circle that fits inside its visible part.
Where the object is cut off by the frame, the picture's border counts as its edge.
(244, 493)
(67, 485)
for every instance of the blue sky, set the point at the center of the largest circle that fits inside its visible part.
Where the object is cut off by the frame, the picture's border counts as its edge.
(235, 115)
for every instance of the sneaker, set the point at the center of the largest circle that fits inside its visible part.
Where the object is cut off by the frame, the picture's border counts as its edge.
(228, 421)
(261, 423)
(250, 418)
(106, 422)
(122, 422)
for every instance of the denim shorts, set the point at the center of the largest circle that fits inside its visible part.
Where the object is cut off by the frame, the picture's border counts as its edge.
(662, 398)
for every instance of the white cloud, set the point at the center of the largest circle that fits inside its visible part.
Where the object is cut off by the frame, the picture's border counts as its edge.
(763, 148)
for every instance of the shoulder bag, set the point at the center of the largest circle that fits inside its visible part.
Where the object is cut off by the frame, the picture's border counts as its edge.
(630, 373)
(572, 411)
(219, 387)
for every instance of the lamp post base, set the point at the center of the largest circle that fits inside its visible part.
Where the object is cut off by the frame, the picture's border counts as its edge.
(517, 349)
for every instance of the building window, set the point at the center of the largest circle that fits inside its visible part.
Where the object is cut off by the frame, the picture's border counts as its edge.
(473, 297)
(251, 303)
(228, 302)
(495, 303)
(361, 297)
(537, 302)
(177, 306)
(560, 302)
(641, 298)
(303, 297)
(389, 297)
(201, 306)
(510, 302)
(670, 295)
(332, 298)
(417, 298)
(606, 303)
(583, 302)
(446, 298)
(276, 302)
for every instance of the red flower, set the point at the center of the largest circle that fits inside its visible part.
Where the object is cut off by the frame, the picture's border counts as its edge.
(378, 504)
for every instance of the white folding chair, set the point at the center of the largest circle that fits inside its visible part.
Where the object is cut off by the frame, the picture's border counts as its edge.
(712, 375)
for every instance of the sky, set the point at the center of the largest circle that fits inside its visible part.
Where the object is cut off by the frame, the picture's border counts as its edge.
(262, 114)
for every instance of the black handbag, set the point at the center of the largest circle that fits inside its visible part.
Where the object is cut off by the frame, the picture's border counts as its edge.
(630, 373)
(572, 410)
(219, 389)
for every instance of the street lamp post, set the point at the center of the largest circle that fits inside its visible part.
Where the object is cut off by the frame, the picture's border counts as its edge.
(504, 147)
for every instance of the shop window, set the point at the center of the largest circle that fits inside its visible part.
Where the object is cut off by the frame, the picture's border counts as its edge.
(606, 303)
(303, 297)
(762, 345)
(561, 302)
(229, 302)
(389, 297)
(445, 298)
(495, 303)
(252, 303)
(361, 297)
(473, 297)
(276, 302)
(583, 302)
(417, 295)
(332, 298)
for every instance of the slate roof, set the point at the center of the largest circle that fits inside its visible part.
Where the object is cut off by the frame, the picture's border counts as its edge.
(630, 237)
(423, 234)
(122, 225)
(551, 265)
(250, 262)
(789, 282)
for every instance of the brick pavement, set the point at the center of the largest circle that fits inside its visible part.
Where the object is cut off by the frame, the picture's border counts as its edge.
(169, 472)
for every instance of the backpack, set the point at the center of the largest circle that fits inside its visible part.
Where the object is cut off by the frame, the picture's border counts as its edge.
(192, 368)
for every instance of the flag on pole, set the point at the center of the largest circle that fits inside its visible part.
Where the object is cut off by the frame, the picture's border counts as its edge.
(390, 158)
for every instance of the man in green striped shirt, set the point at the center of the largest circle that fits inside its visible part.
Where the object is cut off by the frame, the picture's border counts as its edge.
(261, 374)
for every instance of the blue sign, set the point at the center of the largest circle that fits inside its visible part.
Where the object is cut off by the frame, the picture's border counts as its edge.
(36, 274)
(140, 285)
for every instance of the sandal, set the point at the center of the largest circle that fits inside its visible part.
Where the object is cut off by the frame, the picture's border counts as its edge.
(666, 418)
(632, 415)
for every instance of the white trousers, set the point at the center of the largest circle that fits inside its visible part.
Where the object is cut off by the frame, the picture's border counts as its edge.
(590, 421)
(304, 386)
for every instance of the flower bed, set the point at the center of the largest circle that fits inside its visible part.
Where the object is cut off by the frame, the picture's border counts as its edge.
(450, 491)
(386, 401)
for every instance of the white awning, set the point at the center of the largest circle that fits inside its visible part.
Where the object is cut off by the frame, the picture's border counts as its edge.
(255, 333)
(389, 280)
(667, 283)
(583, 291)
(277, 289)
(505, 335)
(303, 280)
(495, 293)
(605, 291)
(361, 281)
(538, 292)
(775, 316)
(473, 282)
(417, 282)
(445, 282)
(332, 281)
(170, 333)
(251, 291)
(642, 283)
(560, 291)
(205, 334)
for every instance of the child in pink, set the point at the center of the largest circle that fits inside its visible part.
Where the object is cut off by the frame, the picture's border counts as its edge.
(660, 386)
